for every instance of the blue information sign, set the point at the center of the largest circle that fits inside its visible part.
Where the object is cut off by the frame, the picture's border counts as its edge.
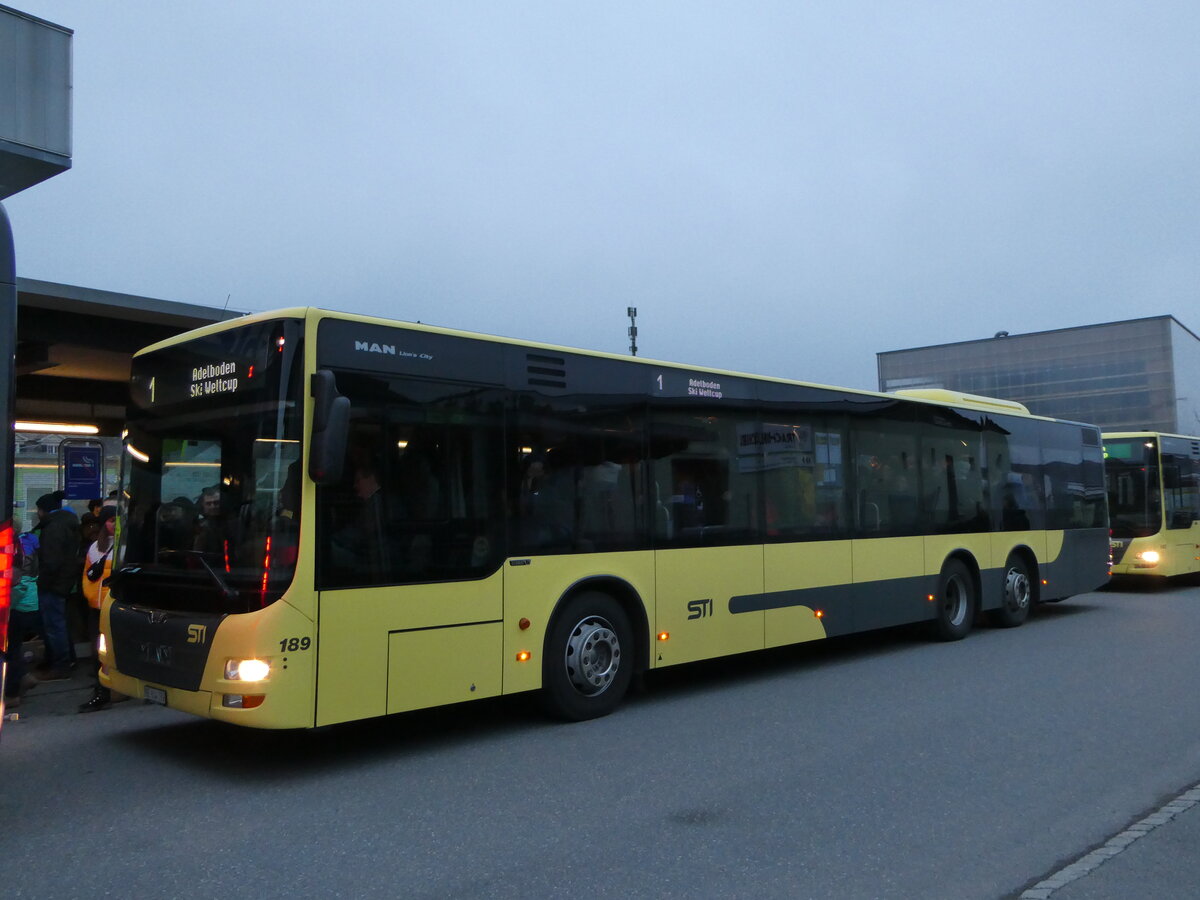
(83, 472)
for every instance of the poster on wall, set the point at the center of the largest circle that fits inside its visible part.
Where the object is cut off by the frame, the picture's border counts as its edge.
(83, 469)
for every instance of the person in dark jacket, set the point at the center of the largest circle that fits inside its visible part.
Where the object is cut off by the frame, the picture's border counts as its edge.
(58, 572)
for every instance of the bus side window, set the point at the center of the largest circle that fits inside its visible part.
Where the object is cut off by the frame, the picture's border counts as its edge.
(886, 475)
(709, 486)
(1179, 486)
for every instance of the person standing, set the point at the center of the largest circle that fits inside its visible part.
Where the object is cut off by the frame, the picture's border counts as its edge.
(97, 566)
(23, 618)
(58, 572)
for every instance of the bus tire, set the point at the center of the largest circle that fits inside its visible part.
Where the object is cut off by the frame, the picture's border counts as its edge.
(956, 602)
(589, 658)
(1018, 595)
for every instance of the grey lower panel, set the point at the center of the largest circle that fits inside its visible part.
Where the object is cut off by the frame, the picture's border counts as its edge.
(1082, 565)
(849, 608)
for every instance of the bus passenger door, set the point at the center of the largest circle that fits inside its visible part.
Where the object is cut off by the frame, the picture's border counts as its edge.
(409, 549)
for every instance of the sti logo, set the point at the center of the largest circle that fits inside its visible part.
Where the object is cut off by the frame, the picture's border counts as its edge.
(368, 347)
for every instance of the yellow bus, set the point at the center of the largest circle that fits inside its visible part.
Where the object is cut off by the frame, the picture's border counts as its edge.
(1154, 501)
(330, 517)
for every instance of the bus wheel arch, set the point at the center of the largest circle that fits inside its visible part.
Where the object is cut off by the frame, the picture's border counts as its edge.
(957, 597)
(594, 646)
(1019, 589)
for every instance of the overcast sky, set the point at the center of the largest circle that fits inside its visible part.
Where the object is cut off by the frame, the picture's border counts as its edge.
(781, 188)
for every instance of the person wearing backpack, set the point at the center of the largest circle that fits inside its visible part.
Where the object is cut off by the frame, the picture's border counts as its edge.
(23, 618)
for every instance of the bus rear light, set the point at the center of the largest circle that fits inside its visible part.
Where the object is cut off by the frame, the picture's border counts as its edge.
(247, 669)
(242, 701)
(523, 656)
(8, 549)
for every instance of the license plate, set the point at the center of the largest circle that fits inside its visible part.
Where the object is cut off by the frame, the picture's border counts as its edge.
(156, 695)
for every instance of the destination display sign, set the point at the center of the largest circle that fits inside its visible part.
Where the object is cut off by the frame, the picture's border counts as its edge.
(675, 383)
(219, 367)
(219, 378)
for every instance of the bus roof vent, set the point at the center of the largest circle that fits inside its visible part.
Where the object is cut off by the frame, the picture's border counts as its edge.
(546, 371)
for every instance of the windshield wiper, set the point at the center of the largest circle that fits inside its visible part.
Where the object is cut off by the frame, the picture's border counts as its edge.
(228, 594)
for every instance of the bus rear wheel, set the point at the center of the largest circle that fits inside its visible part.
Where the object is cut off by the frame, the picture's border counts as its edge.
(589, 658)
(1018, 595)
(955, 602)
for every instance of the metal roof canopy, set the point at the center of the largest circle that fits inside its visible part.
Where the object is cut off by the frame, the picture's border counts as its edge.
(35, 117)
(74, 346)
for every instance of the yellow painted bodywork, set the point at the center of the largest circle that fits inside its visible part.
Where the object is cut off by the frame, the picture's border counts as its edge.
(288, 689)
(392, 649)
(791, 567)
(440, 666)
(1178, 549)
(706, 577)
(357, 628)
(532, 591)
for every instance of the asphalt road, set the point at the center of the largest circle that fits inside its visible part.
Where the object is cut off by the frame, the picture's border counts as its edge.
(884, 765)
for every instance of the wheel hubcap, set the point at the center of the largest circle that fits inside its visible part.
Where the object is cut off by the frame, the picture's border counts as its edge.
(1016, 587)
(593, 656)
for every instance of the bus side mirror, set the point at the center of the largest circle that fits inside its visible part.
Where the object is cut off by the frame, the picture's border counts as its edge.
(331, 422)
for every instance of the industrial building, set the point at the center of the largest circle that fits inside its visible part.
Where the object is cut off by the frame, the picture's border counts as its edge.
(1138, 374)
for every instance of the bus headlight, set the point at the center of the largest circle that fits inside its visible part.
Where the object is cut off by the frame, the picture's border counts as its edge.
(102, 644)
(247, 669)
(1149, 557)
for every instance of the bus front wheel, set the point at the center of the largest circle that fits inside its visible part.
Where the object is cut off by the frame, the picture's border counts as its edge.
(1018, 595)
(955, 602)
(589, 658)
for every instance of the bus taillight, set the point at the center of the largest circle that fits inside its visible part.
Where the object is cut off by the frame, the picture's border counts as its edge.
(7, 552)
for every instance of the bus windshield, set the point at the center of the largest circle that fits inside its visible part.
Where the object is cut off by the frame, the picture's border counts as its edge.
(1134, 500)
(211, 472)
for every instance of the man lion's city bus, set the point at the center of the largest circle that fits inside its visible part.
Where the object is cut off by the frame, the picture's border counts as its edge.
(330, 517)
(1154, 501)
